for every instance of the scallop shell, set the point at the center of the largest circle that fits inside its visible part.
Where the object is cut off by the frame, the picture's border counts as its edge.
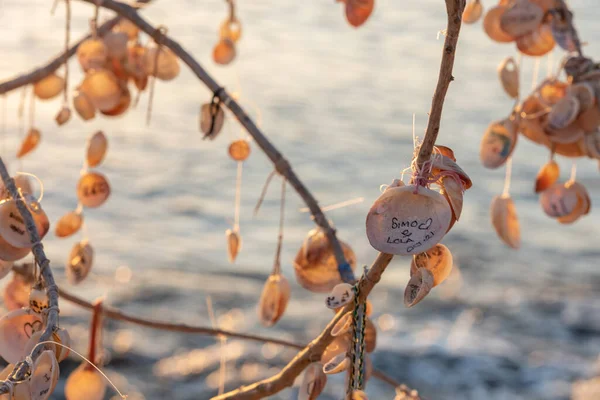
(49, 87)
(343, 325)
(547, 176)
(85, 383)
(93, 189)
(558, 200)
(80, 262)
(437, 260)
(473, 11)
(408, 219)
(341, 294)
(536, 43)
(83, 105)
(166, 69)
(16, 328)
(508, 72)
(209, 127)
(313, 382)
(102, 88)
(224, 52)
(96, 149)
(498, 143)
(273, 300)
(68, 224)
(358, 11)
(30, 142)
(491, 25)
(339, 363)
(239, 150)
(12, 226)
(418, 287)
(505, 220)
(521, 18)
(44, 376)
(234, 244)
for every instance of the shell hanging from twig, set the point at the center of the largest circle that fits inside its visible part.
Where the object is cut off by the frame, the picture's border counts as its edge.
(536, 43)
(583, 203)
(491, 25)
(419, 285)
(91, 54)
(558, 200)
(273, 300)
(498, 143)
(80, 262)
(437, 260)
(38, 300)
(167, 67)
(473, 11)
(102, 88)
(16, 328)
(313, 382)
(212, 118)
(224, 51)
(49, 87)
(12, 226)
(547, 176)
(231, 29)
(239, 150)
(30, 142)
(93, 189)
(83, 105)
(63, 116)
(116, 44)
(563, 113)
(508, 72)
(69, 224)
(343, 325)
(341, 344)
(505, 220)
(234, 244)
(96, 149)
(85, 383)
(44, 376)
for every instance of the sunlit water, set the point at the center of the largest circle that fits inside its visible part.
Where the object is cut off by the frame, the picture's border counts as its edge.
(338, 102)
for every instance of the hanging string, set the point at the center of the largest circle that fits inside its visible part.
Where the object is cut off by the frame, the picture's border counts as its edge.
(162, 32)
(573, 172)
(536, 72)
(335, 206)
(277, 263)
(508, 177)
(222, 342)
(66, 55)
(264, 191)
(96, 326)
(238, 195)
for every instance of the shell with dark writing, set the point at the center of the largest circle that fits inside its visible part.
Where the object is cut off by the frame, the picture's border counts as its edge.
(102, 88)
(437, 260)
(273, 300)
(166, 67)
(419, 286)
(16, 328)
(492, 25)
(337, 364)
(505, 220)
(49, 87)
(508, 72)
(93, 189)
(212, 118)
(498, 143)
(315, 265)
(69, 224)
(473, 11)
(234, 244)
(224, 51)
(44, 376)
(63, 116)
(521, 18)
(96, 149)
(408, 220)
(83, 105)
(537, 43)
(80, 262)
(239, 150)
(30, 142)
(38, 299)
(341, 294)
(547, 176)
(313, 382)
(583, 203)
(358, 11)
(558, 200)
(92, 53)
(12, 226)
(85, 383)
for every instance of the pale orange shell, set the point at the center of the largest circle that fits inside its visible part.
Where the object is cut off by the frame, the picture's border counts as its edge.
(93, 189)
(315, 264)
(234, 244)
(62, 336)
(532, 127)
(537, 43)
(521, 18)
(419, 286)
(85, 383)
(337, 364)
(341, 294)
(313, 382)
(445, 151)
(239, 150)
(16, 328)
(224, 52)
(128, 27)
(207, 126)
(491, 25)
(558, 200)
(49, 87)
(405, 220)
(441, 162)
(576, 149)
(343, 325)
(569, 134)
(63, 116)
(551, 91)
(564, 112)
(498, 143)
(453, 192)
(68, 224)
(358, 11)
(83, 105)
(339, 345)
(80, 262)
(134, 65)
(508, 72)
(116, 44)
(547, 176)
(102, 88)
(12, 225)
(273, 300)
(96, 149)
(359, 395)
(122, 105)
(44, 376)
(16, 293)
(231, 29)
(30, 142)
(437, 260)
(505, 220)
(473, 11)
(167, 67)
(92, 53)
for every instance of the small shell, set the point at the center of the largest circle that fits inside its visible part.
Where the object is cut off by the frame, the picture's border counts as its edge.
(12, 225)
(63, 116)
(122, 105)
(359, 395)
(62, 336)
(49, 87)
(16, 328)
(92, 53)
(29, 143)
(44, 376)
(578, 67)
(498, 143)
(562, 34)
(341, 294)
(231, 29)
(453, 192)
(167, 67)
(558, 201)
(445, 151)
(343, 325)
(85, 383)
(102, 88)
(313, 382)
(96, 149)
(473, 11)
(536, 43)
(547, 176)
(209, 125)
(584, 93)
(83, 105)
(38, 300)
(522, 18)
(80, 262)
(340, 345)
(239, 150)
(418, 287)
(338, 364)
(68, 224)
(551, 91)
(491, 25)
(508, 72)
(408, 219)
(116, 44)
(505, 220)
(93, 189)
(563, 112)
(437, 260)
(234, 244)
(128, 27)
(273, 300)
(224, 52)
(358, 11)
(134, 64)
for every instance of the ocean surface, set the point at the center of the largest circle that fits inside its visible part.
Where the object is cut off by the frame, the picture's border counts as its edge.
(338, 103)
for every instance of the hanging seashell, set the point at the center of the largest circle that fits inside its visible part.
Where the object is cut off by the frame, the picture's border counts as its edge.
(445, 151)
(16, 328)
(224, 52)
(96, 149)
(80, 263)
(340, 345)
(536, 43)
(437, 260)
(273, 300)
(508, 72)
(584, 93)
(370, 336)
(44, 376)
(5, 268)
(547, 176)
(85, 383)
(491, 25)
(135, 62)
(128, 27)
(498, 143)
(505, 220)
(563, 112)
(315, 263)
(16, 293)
(343, 325)
(38, 300)
(562, 34)
(473, 11)
(231, 29)
(341, 294)
(359, 395)
(521, 18)
(29, 143)
(239, 150)
(122, 105)
(92, 54)
(583, 203)
(63, 116)
(440, 163)
(313, 382)
(558, 200)
(408, 219)
(339, 363)
(212, 118)
(116, 44)
(102, 88)
(551, 91)
(93, 189)
(12, 226)
(167, 66)
(358, 11)
(83, 105)
(418, 287)
(589, 120)
(49, 87)
(62, 336)
(453, 192)
(234, 244)
(577, 67)
(69, 224)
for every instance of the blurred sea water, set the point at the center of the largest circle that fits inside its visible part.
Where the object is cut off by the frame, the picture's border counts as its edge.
(338, 103)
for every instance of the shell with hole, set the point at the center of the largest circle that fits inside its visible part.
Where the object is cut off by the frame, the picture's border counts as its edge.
(274, 299)
(313, 382)
(505, 220)
(437, 260)
(508, 73)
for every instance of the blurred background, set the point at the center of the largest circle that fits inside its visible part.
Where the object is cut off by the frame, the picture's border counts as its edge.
(338, 103)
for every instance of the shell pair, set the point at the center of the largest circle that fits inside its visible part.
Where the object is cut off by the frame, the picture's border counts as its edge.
(427, 270)
(230, 32)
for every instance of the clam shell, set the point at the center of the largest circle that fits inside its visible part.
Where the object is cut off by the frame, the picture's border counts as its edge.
(505, 220)
(16, 328)
(239, 150)
(44, 376)
(408, 219)
(224, 52)
(491, 25)
(122, 105)
(102, 88)
(80, 262)
(49, 87)
(167, 67)
(83, 105)
(547, 176)
(473, 11)
(521, 18)
(341, 294)
(68, 224)
(508, 72)
(584, 93)
(343, 325)
(536, 43)
(93, 189)
(558, 200)
(234, 244)
(453, 192)
(92, 53)
(442, 163)
(583, 203)
(273, 300)
(30, 142)
(337, 364)
(339, 345)
(313, 382)
(418, 287)
(116, 44)
(231, 29)
(498, 143)
(62, 336)
(207, 126)
(358, 11)
(564, 112)
(437, 260)
(85, 383)
(63, 116)
(445, 151)
(96, 149)
(12, 226)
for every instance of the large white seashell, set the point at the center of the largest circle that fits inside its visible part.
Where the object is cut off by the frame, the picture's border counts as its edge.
(16, 328)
